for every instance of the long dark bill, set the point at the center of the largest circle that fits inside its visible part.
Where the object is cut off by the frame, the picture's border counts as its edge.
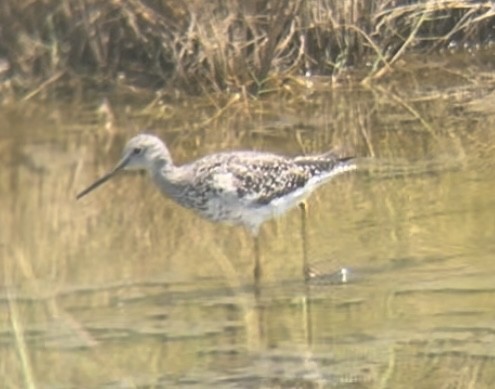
(123, 162)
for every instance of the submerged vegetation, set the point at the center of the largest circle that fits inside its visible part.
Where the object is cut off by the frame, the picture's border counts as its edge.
(204, 46)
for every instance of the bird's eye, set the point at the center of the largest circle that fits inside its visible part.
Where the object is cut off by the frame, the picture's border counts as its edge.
(137, 150)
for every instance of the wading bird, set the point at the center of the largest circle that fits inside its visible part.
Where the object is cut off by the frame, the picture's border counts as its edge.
(237, 187)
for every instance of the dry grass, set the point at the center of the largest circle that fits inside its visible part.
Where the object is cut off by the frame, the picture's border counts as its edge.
(247, 46)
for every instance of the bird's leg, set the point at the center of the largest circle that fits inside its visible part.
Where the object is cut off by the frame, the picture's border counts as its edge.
(305, 267)
(306, 301)
(257, 259)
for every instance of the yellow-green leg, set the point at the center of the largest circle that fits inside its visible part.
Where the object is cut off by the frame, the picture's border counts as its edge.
(257, 260)
(304, 237)
(306, 300)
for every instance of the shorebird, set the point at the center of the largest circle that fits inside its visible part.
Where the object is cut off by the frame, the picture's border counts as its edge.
(238, 187)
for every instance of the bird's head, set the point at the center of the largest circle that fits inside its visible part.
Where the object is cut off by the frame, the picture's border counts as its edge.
(143, 152)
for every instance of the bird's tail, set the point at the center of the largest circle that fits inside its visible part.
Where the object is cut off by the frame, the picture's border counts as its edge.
(328, 164)
(343, 165)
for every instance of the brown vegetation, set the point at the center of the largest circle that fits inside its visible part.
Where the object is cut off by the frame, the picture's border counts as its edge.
(223, 45)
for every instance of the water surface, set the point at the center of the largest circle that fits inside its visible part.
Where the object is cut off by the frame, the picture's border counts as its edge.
(126, 289)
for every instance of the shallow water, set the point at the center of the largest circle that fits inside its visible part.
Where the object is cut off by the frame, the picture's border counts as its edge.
(126, 289)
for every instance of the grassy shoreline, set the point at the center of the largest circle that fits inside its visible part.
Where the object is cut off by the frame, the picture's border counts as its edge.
(197, 47)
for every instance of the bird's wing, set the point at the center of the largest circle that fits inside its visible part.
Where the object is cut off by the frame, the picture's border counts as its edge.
(253, 178)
